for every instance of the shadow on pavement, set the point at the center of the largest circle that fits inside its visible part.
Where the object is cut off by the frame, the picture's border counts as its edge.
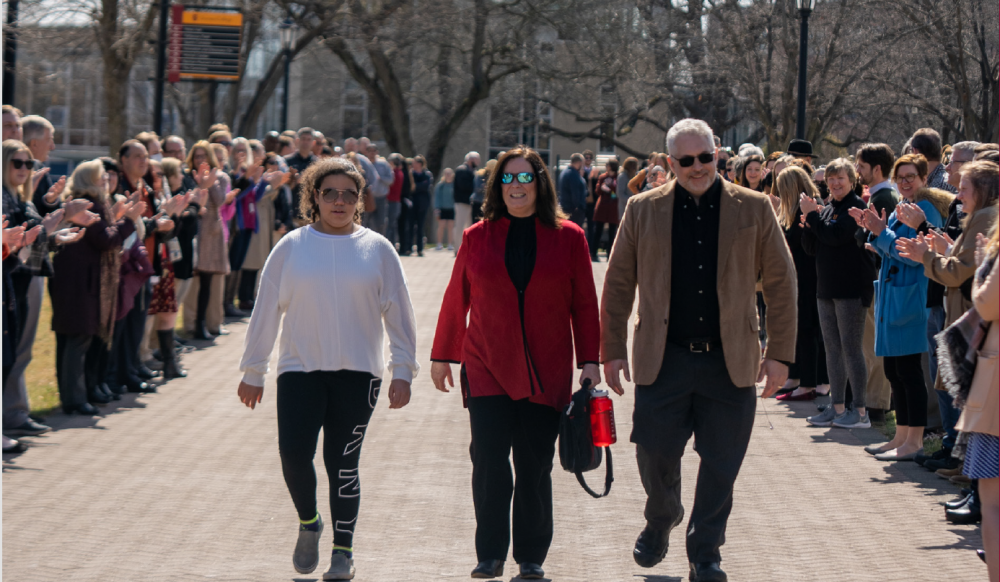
(656, 578)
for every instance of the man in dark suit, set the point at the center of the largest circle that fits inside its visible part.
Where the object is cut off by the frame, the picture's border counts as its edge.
(694, 248)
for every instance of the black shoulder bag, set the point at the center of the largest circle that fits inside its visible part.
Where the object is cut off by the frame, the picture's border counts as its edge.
(577, 452)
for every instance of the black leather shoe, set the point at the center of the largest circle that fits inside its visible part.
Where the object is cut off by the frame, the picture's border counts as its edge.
(531, 571)
(139, 387)
(103, 387)
(201, 332)
(967, 515)
(145, 373)
(85, 409)
(948, 462)
(96, 396)
(707, 572)
(117, 389)
(959, 503)
(982, 555)
(650, 547)
(488, 569)
(939, 455)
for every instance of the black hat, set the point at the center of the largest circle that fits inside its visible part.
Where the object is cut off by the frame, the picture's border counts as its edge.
(800, 148)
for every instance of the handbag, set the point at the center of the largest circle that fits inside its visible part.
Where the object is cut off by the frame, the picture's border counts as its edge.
(577, 453)
(174, 250)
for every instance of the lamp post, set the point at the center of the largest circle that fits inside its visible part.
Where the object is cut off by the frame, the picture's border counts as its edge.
(10, 53)
(805, 9)
(286, 31)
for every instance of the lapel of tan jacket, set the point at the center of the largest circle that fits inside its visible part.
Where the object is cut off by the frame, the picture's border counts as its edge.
(729, 213)
(663, 233)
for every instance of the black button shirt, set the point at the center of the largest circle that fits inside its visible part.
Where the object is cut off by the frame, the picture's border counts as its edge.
(694, 300)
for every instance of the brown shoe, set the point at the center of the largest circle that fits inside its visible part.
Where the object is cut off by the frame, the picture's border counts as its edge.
(948, 473)
(961, 480)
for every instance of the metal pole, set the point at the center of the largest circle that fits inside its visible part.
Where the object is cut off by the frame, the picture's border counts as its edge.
(161, 68)
(800, 117)
(284, 96)
(10, 53)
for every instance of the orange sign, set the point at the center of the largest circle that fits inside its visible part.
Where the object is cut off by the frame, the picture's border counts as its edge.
(212, 18)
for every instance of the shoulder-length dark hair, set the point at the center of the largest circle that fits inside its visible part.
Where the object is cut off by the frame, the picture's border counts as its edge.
(546, 202)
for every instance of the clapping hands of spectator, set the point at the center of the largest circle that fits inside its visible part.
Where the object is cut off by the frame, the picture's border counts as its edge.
(164, 223)
(913, 248)
(52, 220)
(78, 212)
(56, 190)
(69, 235)
(910, 214)
(206, 176)
(277, 178)
(36, 178)
(981, 245)
(134, 210)
(940, 242)
(12, 236)
(175, 204)
(869, 219)
(232, 195)
(807, 204)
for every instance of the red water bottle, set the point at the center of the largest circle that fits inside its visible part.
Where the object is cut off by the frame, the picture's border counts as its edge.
(602, 419)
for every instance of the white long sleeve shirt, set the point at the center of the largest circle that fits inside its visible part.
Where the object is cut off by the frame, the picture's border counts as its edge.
(334, 292)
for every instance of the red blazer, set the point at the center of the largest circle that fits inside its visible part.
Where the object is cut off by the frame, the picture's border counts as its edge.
(560, 311)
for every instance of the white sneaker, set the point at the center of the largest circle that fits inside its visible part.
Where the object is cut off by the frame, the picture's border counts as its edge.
(341, 568)
(451, 248)
(438, 247)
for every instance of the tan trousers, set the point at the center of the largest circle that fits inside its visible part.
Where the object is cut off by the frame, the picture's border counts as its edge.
(879, 392)
(214, 314)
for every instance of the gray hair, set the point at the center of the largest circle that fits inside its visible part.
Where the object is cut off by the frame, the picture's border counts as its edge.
(842, 166)
(690, 127)
(471, 155)
(34, 127)
(966, 147)
(751, 151)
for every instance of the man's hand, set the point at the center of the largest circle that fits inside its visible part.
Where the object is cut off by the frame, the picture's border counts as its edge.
(441, 371)
(611, 370)
(250, 395)
(775, 373)
(399, 393)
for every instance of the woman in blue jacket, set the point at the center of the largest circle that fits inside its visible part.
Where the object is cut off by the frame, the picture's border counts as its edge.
(900, 304)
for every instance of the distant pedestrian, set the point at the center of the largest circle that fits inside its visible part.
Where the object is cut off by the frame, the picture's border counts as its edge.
(573, 190)
(465, 185)
(444, 207)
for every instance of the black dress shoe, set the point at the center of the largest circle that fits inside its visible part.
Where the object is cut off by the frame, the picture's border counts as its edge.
(488, 569)
(231, 311)
(982, 555)
(707, 572)
(967, 515)
(145, 373)
(948, 462)
(959, 503)
(106, 390)
(531, 571)
(201, 332)
(97, 396)
(651, 547)
(117, 389)
(139, 387)
(85, 409)
(939, 455)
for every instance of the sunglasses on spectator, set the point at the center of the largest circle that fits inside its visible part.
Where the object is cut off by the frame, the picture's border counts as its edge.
(688, 161)
(18, 164)
(522, 178)
(330, 195)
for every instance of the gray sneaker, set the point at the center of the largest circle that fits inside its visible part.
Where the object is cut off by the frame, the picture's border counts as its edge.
(306, 556)
(824, 418)
(341, 568)
(851, 419)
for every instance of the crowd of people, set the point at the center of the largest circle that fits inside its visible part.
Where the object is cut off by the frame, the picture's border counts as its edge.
(873, 272)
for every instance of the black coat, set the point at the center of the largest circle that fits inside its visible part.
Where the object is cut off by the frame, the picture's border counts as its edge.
(186, 230)
(75, 288)
(805, 270)
(843, 269)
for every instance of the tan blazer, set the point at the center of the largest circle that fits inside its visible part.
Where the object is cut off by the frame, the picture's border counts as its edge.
(750, 243)
(982, 409)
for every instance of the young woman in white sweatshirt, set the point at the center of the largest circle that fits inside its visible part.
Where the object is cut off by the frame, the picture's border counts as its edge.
(330, 286)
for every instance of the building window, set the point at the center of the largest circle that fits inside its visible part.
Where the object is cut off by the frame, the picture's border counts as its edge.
(516, 114)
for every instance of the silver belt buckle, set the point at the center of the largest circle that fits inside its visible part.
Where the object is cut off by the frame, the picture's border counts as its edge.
(700, 347)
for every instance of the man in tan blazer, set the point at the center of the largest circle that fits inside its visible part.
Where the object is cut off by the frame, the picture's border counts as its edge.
(694, 248)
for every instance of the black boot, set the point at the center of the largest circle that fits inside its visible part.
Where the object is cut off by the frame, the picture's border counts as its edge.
(201, 331)
(171, 369)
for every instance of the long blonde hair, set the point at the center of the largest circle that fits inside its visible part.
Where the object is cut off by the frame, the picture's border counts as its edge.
(87, 181)
(791, 182)
(12, 147)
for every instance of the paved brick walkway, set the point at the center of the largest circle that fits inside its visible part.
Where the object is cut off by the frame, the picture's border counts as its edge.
(186, 485)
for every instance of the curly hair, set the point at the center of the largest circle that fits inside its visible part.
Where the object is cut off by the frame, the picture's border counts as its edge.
(546, 201)
(313, 177)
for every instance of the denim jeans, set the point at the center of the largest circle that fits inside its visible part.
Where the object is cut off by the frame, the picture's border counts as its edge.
(392, 228)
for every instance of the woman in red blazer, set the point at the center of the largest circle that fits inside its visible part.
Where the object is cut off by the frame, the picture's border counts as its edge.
(524, 273)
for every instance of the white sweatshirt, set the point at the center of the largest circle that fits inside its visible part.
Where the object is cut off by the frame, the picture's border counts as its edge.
(334, 292)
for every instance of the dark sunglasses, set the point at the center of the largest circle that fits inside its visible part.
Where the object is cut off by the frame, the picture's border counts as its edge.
(224, 143)
(330, 195)
(688, 161)
(18, 164)
(522, 178)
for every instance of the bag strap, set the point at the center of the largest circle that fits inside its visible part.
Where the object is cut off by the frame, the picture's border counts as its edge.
(608, 479)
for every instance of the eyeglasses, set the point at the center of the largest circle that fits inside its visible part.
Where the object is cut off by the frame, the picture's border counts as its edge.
(224, 143)
(18, 164)
(330, 195)
(909, 178)
(522, 178)
(688, 161)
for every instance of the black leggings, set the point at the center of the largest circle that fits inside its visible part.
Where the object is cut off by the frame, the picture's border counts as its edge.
(204, 295)
(341, 403)
(906, 376)
(500, 424)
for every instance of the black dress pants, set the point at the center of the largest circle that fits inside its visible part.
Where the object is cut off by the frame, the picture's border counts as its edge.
(692, 395)
(71, 363)
(499, 425)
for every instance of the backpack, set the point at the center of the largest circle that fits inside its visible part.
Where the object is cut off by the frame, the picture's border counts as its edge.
(577, 452)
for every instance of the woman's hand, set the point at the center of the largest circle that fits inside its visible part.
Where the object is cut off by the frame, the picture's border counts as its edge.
(53, 194)
(399, 393)
(910, 214)
(135, 210)
(250, 395)
(231, 196)
(807, 204)
(981, 244)
(591, 372)
(206, 176)
(873, 223)
(164, 224)
(12, 237)
(52, 220)
(441, 371)
(940, 242)
(913, 248)
(69, 235)
(37, 177)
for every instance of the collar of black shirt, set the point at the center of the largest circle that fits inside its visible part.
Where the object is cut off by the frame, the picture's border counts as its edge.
(713, 194)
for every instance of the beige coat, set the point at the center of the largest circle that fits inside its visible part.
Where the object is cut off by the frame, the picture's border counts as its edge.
(750, 244)
(262, 241)
(213, 251)
(982, 409)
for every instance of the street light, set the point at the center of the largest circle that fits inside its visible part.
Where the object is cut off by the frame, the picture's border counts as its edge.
(286, 32)
(805, 9)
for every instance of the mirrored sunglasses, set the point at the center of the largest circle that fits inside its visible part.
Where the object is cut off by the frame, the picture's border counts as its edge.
(522, 178)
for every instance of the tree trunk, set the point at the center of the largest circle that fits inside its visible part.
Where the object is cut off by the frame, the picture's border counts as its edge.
(116, 99)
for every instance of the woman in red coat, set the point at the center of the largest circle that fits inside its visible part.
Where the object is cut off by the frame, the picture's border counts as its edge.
(606, 211)
(524, 273)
